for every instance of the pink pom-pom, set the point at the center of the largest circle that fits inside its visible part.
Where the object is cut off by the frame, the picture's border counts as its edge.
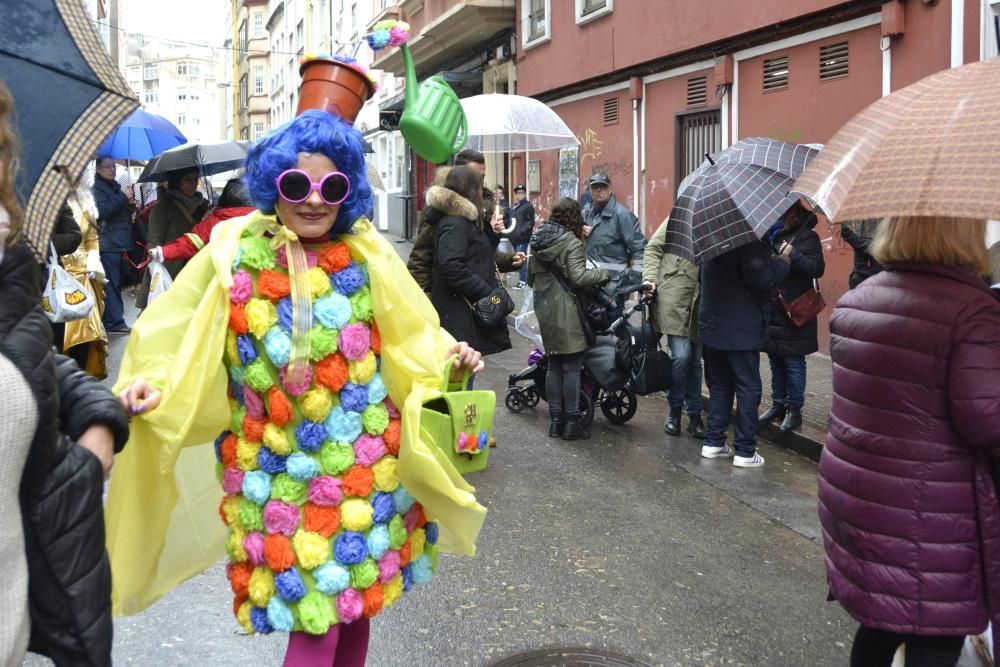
(296, 389)
(232, 481)
(388, 566)
(253, 544)
(242, 288)
(280, 517)
(325, 491)
(350, 605)
(253, 402)
(391, 408)
(399, 34)
(412, 518)
(368, 449)
(355, 341)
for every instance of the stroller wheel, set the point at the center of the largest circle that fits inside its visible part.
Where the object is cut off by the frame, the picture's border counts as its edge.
(531, 396)
(513, 400)
(620, 405)
(586, 410)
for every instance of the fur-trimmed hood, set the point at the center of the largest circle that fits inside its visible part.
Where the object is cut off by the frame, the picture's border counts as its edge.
(449, 202)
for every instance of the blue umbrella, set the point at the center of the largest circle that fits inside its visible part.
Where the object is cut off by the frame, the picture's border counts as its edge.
(142, 136)
(69, 98)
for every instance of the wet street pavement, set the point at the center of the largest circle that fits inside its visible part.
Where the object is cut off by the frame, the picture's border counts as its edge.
(628, 542)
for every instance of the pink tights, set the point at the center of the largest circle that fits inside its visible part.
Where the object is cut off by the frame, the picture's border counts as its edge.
(345, 645)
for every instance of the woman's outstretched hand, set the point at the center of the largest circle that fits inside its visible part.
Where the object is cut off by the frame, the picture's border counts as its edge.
(468, 358)
(140, 397)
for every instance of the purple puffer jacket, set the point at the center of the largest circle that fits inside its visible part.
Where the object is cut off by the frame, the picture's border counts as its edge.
(910, 515)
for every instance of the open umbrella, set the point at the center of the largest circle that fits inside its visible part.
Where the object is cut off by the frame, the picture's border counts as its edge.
(734, 197)
(142, 136)
(69, 97)
(928, 149)
(209, 159)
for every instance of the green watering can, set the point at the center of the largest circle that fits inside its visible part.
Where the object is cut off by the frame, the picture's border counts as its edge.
(433, 121)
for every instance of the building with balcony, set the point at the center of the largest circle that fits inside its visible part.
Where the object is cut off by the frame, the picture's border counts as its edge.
(253, 103)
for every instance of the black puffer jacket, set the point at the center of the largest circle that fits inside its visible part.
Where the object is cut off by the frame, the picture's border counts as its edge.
(807, 264)
(69, 583)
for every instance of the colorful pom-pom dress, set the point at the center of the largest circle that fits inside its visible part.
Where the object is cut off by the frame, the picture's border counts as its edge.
(320, 531)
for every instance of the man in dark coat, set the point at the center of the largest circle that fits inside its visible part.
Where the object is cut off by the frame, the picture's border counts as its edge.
(114, 223)
(523, 215)
(737, 289)
(859, 236)
(615, 241)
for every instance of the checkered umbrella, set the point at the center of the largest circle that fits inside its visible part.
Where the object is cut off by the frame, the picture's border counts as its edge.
(734, 197)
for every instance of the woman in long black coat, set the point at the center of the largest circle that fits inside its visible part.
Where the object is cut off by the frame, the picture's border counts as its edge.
(788, 345)
(465, 267)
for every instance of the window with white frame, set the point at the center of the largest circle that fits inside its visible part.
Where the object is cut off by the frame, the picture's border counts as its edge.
(536, 22)
(258, 80)
(258, 131)
(151, 97)
(258, 24)
(991, 29)
(149, 71)
(182, 119)
(588, 10)
(134, 72)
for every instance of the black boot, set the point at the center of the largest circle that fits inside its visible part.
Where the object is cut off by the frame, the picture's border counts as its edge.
(695, 427)
(672, 426)
(574, 429)
(792, 421)
(555, 423)
(774, 414)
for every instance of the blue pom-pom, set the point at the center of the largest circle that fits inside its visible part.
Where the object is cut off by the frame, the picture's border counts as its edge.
(376, 389)
(331, 578)
(408, 577)
(350, 548)
(218, 445)
(279, 615)
(259, 620)
(271, 462)
(404, 501)
(238, 259)
(257, 486)
(422, 571)
(378, 541)
(333, 311)
(278, 345)
(302, 467)
(343, 426)
(349, 279)
(354, 398)
(236, 388)
(246, 349)
(310, 435)
(290, 586)
(285, 314)
(431, 530)
(383, 507)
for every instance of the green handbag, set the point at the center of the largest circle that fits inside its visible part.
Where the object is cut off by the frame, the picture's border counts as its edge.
(460, 423)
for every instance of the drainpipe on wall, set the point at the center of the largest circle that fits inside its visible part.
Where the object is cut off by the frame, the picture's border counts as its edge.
(635, 89)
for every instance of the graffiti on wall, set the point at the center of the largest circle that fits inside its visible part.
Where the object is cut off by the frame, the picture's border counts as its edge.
(590, 144)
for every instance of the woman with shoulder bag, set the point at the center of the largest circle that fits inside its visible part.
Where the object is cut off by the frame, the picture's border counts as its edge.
(789, 344)
(557, 248)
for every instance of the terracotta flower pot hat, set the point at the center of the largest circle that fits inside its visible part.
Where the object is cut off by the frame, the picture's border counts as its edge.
(335, 84)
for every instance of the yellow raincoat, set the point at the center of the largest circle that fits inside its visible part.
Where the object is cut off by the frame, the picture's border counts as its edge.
(162, 516)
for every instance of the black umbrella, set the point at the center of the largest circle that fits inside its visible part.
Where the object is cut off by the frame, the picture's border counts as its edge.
(209, 159)
(734, 197)
(69, 98)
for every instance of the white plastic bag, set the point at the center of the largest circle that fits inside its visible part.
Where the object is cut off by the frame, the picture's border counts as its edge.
(159, 280)
(64, 298)
(526, 323)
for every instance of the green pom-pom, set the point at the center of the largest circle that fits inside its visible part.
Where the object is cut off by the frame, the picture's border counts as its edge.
(363, 574)
(397, 532)
(361, 305)
(322, 342)
(317, 613)
(375, 419)
(251, 515)
(237, 374)
(256, 253)
(287, 488)
(336, 457)
(236, 420)
(258, 376)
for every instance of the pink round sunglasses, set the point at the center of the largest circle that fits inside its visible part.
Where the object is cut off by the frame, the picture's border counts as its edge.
(296, 186)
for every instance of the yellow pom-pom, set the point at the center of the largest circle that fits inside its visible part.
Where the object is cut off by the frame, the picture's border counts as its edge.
(316, 404)
(311, 549)
(356, 514)
(385, 474)
(277, 440)
(234, 546)
(362, 372)
(319, 282)
(261, 315)
(392, 591)
(232, 353)
(243, 617)
(231, 508)
(246, 454)
(418, 540)
(261, 586)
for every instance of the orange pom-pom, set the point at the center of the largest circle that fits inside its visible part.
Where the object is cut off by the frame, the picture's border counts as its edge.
(373, 598)
(391, 436)
(239, 578)
(222, 511)
(331, 371)
(278, 552)
(238, 602)
(253, 429)
(320, 519)
(335, 257)
(273, 285)
(357, 482)
(228, 451)
(278, 407)
(421, 517)
(237, 319)
(405, 553)
(376, 339)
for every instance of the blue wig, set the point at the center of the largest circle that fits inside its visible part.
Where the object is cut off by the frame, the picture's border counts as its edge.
(312, 132)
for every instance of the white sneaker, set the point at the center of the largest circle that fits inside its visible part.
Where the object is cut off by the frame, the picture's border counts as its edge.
(754, 461)
(723, 452)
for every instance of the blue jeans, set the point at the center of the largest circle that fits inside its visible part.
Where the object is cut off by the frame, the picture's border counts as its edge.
(788, 380)
(523, 247)
(114, 307)
(733, 374)
(685, 381)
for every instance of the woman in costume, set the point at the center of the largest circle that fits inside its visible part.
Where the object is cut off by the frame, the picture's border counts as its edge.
(299, 344)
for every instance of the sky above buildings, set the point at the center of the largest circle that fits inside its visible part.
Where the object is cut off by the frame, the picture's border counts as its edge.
(200, 21)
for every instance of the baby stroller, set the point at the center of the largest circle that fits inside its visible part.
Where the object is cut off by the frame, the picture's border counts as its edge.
(624, 361)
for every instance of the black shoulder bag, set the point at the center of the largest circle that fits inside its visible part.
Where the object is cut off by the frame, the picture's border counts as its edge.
(492, 309)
